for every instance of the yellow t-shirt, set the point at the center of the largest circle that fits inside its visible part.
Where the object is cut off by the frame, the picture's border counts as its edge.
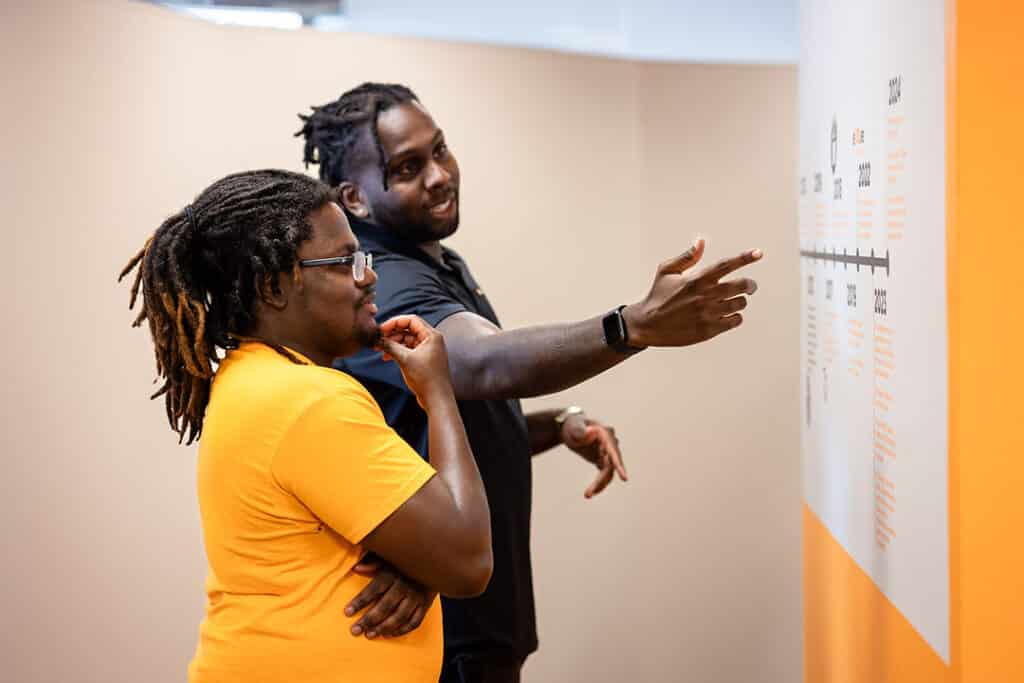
(296, 467)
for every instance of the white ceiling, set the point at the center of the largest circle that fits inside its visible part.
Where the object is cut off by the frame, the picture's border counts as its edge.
(745, 31)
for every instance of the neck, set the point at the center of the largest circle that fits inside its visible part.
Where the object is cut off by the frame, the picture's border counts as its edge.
(267, 334)
(433, 250)
(321, 359)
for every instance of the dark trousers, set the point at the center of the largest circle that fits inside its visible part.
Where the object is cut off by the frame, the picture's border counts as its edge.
(481, 668)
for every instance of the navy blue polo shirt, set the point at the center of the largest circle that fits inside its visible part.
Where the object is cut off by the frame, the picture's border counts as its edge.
(502, 620)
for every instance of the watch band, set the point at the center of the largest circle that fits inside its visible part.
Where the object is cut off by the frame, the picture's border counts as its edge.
(616, 335)
(564, 415)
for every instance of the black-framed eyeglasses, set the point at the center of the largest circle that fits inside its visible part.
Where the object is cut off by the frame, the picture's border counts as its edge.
(359, 260)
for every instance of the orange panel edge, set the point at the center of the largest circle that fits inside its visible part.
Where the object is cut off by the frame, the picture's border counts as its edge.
(989, 494)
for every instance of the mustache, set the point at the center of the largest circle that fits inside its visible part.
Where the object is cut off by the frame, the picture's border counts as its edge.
(443, 196)
(370, 293)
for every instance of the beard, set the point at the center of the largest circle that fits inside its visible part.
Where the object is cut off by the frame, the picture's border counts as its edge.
(367, 335)
(420, 231)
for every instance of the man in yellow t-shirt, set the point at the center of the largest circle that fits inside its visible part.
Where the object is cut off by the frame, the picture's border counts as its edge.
(298, 474)
(279, 571)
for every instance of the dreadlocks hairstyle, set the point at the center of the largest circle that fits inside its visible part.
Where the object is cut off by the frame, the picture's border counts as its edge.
(201, 272)
(333, 129)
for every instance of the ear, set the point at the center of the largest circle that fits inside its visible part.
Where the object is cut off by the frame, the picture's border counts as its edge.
(278, 300)
(353, 199)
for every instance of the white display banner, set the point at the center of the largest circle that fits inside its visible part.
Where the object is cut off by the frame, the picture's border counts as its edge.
(874, 313)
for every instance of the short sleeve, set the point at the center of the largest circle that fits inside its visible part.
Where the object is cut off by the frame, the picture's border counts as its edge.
(405, 287)
(346, 465)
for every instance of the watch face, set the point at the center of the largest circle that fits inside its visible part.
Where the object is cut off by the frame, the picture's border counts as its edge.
(614, 333)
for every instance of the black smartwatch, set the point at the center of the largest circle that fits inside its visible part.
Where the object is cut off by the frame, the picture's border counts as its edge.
(615, 333)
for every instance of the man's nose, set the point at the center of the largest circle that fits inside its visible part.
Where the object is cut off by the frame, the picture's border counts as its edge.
(369, 278)
(436, 175)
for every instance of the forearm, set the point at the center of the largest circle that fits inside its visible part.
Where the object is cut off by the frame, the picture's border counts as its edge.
(544, 432)
(441, 536)
(488, 363)
(531, 361)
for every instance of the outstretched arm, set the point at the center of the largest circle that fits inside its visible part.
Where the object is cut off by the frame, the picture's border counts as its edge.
(679, 310)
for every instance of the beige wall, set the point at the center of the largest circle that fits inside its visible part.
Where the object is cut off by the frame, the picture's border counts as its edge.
(579, 175)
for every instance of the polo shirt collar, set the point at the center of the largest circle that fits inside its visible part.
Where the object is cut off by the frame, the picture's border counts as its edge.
(376, 239)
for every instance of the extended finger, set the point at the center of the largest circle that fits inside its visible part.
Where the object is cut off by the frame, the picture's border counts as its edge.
(686, 260)
(729, 306)
(731, 288)
(726, 323)
(611, 447)
(716, 272)
(601, 481)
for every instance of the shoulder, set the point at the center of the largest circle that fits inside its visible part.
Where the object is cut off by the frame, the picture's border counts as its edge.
(311, 384)
(408, 285)
(267, 378)
(399, 267)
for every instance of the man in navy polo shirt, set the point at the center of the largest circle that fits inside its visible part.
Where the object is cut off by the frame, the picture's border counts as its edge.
(399, 186)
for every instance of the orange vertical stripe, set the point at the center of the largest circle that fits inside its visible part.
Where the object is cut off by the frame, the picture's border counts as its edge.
(990, 112)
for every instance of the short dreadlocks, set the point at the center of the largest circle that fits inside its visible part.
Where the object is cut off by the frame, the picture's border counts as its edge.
(201, 272)
(333, 129)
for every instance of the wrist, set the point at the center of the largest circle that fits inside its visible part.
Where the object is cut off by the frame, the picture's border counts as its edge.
(565, 416)
(437, 394)
(568, 419)
(632, 320)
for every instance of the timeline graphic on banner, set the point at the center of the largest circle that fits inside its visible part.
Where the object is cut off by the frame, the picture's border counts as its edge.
(873, 260)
